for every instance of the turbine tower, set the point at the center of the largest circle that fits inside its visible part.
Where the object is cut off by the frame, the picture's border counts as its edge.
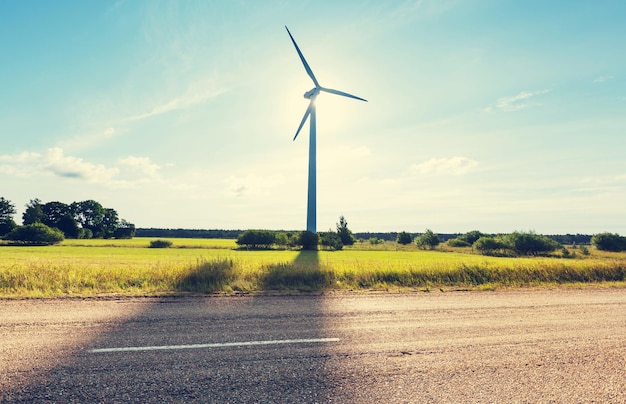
(311, 209)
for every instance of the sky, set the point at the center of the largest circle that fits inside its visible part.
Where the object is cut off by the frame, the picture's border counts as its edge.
(490, 115)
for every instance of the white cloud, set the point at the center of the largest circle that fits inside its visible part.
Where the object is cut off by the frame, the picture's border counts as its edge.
(142, 165)
(87, 141)
(55, 161)
(196, 93)
(602, 79)
(445, 166)
(128, 171)
(517, 102)
(23, 157)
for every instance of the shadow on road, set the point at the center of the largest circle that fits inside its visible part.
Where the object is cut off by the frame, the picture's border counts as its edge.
(247, 348)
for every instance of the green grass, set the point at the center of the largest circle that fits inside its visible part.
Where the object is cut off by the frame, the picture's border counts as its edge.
(129, 267)
(145, 242)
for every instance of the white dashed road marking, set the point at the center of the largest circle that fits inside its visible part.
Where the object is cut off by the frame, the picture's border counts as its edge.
(215, 345)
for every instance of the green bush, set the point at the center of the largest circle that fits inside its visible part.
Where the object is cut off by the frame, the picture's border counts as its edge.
(7, 226)
(457, 242)
(609, 242)
(404, 238)
(427, 240)
(308, 240)
(344, 233)
(282, 239)
(530, 243)
(471, 236)
(35, 234)
(160, 244)
(489, 245)
(257, 239)
(330, 240)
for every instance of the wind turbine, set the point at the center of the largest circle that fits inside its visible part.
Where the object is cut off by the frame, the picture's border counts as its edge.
(311, 209)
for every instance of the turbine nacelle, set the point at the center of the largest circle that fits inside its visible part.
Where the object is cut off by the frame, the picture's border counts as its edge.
(312, 93)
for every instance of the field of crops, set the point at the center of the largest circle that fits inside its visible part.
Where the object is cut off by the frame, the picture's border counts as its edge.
(129, 267)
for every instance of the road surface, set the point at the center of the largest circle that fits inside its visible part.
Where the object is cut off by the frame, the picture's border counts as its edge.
(506, 346)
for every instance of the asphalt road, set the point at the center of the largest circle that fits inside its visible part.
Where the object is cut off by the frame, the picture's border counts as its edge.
(511, 346)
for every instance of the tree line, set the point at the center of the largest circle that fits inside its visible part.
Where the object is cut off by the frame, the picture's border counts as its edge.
(332, 240)
(51, 220)
(510, 244)
(516, 243)
(568, 239)
(187, 233)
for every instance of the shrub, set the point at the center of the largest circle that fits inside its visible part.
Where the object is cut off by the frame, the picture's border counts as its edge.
(344, 233)
(331, 240)
(35, 234)
(609, 242)
(160, 244)
(489, 245)
(428, 240)
(127, 232)
(257, 238)
(308, 240)
(457, 242)
(471, 236)
(404, 238)
(7, 226)
(282, 239)
(530, 243)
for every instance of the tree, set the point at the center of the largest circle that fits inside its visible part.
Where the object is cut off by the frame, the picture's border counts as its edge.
(457, 242)
(488, 245)
(530, 243)
(428, 240)
(33, 213)
(346, 236)
(68, 225)
(471, 236)
(7, 210)
(54, 212)
(308, 240)
(257, 238)
(404, 238)
(109, 223)
(331, 240)
(609, 242)
(90, 215)
(35, 234)
(282, 239)
(125, 229)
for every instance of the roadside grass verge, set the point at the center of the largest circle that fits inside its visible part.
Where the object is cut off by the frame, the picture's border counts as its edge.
(80, 270)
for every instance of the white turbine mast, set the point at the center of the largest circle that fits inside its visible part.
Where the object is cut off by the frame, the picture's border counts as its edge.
(311, 215)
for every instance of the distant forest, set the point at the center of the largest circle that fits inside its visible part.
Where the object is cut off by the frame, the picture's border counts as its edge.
(566, 239)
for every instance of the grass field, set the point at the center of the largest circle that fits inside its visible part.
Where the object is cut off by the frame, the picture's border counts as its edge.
(129, 267)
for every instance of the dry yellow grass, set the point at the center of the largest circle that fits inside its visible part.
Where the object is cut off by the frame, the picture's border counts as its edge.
(91, 267)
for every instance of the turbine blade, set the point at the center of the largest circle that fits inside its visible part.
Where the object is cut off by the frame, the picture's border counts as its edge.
(337, 92)
(306, 115)
(306, 65)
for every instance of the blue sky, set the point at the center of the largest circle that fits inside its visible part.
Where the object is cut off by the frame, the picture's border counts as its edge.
(488, 115)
